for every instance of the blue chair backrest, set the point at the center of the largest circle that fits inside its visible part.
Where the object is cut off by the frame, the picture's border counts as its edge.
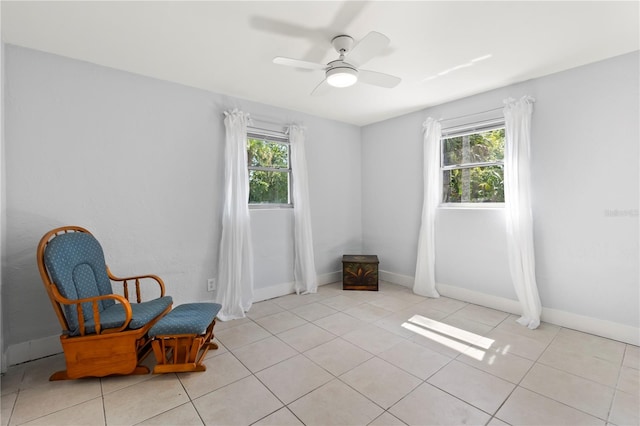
(75, 262)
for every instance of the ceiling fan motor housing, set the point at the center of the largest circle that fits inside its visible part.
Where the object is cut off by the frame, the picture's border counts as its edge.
(342, 43)
(340, 64)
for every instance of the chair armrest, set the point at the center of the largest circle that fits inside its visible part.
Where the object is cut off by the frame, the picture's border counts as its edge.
(137, 279)
(96, 313)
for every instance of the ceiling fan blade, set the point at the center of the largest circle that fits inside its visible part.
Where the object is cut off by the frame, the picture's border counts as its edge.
(298, 63)
(321, 89)
(378, 79)
(371, 45)
(277, 26)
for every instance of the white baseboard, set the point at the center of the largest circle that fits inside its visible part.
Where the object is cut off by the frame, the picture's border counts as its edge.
(609, 329)
(283, 289)
(46, 346)
(330, 278)
(34, 349)
(482, 299)
(394, 278)
(270, 292)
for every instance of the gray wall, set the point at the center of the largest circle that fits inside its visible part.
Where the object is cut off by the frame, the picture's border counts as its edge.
(139, 162)
(585, 150)
(3, 213)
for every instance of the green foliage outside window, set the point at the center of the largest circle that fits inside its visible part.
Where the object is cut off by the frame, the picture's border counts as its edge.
(472, 168)
(268, 171)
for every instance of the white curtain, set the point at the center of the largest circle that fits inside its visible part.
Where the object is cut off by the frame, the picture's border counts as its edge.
(519, 219)
(425, 279)
(235, 266)
(306, 280)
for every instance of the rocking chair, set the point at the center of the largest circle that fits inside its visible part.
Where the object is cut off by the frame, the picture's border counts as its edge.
(103, 333)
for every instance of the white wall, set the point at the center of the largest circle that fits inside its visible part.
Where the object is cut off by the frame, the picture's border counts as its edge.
(3, 226)
(585, 150)
(139, 162)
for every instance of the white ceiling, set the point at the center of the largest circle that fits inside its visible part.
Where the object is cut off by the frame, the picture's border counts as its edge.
(227, 46)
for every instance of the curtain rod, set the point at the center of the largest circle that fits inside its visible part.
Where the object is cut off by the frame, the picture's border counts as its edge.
(470, 115)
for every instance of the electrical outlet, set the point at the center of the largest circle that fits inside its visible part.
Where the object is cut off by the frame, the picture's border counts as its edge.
(211, 284)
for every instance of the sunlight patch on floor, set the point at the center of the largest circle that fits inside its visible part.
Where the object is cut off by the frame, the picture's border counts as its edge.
(471, 344)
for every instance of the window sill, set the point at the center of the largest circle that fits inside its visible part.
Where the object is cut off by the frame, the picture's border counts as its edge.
(471, 206)
(270, 206)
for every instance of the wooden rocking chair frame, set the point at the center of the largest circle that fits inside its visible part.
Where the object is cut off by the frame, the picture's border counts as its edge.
(107, 351)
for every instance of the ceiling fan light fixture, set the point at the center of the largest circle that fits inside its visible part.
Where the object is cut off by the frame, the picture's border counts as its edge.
(342, 76)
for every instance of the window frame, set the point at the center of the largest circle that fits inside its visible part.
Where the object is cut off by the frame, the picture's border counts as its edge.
(465, 130)
(275, 138)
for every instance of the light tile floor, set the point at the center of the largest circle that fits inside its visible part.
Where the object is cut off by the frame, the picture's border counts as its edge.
(357, 358)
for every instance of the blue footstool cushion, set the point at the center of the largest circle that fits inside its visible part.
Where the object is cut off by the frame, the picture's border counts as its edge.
(190, 318)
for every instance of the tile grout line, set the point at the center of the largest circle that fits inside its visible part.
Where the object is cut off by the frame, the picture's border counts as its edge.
(615, 389)
(284, 405)
(537, 362)
(403, 338)
(518, 385)
(338, 377)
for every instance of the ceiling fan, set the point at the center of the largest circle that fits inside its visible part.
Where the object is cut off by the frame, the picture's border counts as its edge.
(344, 71)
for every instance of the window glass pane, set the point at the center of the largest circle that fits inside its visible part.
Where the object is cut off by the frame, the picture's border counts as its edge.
(475, 148)
(473, 185)
(267, 187)
(263, 153)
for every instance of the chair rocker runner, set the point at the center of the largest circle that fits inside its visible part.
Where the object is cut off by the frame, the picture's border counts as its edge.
(103, 333)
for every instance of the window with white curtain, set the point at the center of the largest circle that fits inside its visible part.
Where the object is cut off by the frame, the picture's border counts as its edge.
(472, 165)
(269, 168)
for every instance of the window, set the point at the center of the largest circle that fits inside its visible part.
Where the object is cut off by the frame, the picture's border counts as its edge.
(472, 166)
(269, 169)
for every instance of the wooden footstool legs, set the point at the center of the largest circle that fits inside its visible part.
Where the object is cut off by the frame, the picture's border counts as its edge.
(183, 337)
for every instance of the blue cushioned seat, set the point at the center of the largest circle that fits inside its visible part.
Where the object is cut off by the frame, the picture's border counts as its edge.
(142, 313)
(76, 264)
(190, 318)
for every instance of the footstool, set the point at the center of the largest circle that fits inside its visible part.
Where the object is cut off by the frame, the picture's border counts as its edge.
(182, 338)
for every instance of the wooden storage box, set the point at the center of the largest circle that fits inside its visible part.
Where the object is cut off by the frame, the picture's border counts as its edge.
(360, 272)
